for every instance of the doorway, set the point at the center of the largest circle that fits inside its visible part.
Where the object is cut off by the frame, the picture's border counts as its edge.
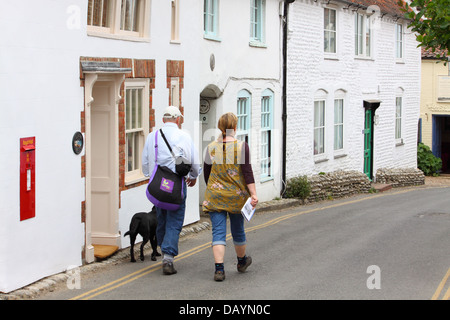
(102, 96)
(368, 143)
(370, 107)
(104, 165)
(209, 103)
(441, 140)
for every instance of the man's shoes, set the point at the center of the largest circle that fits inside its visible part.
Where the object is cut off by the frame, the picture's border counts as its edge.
(243, 267)
(219, 276)
(168, 268)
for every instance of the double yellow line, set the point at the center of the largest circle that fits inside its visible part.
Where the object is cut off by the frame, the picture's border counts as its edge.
(136, 275)
(441, 286)
(142, 272)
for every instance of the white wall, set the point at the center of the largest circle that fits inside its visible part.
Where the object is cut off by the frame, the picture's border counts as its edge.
(376, 78)
(241, 66)
(42, 97)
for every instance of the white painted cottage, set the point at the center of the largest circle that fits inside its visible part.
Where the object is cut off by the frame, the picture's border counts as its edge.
(353, 87)
(83, 83)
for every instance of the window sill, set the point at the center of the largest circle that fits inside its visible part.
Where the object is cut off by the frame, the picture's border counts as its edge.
(266, 179)
(340, 155)
(135, 179)
(320, 159)
(117, 36)
(331, 56)
(257, 44)
(399, 142)
(211, 37)
(364, 58)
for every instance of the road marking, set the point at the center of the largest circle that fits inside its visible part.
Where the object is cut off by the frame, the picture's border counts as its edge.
(144, 271)
(441, 285)
(137, 274)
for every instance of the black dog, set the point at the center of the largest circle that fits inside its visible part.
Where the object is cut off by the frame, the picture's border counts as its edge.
(143, 223)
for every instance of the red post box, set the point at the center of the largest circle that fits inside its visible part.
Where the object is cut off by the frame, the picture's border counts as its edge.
(27, 178)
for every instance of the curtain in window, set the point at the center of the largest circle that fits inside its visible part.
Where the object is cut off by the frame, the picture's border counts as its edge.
(330, 30)
(98, 13)
(129, 15)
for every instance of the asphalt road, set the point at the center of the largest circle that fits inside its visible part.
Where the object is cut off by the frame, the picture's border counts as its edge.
(392, 245)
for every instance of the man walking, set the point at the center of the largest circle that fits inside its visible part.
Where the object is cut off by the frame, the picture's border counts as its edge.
(170, 222)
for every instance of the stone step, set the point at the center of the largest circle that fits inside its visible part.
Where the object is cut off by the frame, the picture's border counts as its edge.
(380, 187)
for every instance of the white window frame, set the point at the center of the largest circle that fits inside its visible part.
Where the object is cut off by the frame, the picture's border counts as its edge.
(399, 42)
(244, 106)
(257, 23)
(211, 19)
(398, 119)
(340, 97)
(266, 142)
(175, 92)
(338, 141)
(363, 36)
(135, 175)
(175, 21)
(115, 16)
(328, 30)
(319, 142)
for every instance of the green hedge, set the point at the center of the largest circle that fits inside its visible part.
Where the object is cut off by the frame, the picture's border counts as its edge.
(427, 162)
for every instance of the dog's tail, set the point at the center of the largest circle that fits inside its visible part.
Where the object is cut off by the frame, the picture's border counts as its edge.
(134, 226)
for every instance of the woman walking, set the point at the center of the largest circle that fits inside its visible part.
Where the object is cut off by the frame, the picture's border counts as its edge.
(230, 182)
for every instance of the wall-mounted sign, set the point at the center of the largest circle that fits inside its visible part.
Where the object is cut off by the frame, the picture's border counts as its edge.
(212, 61)
(204, 106)
(77, 142)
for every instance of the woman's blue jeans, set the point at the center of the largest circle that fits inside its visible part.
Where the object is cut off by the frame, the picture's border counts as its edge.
(219, 228)
(169, 227)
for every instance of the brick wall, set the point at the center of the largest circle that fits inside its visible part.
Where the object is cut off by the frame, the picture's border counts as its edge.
(175, 69)
(139, 69)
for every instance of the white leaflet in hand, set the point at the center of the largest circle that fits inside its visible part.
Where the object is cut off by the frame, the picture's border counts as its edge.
(247, 210)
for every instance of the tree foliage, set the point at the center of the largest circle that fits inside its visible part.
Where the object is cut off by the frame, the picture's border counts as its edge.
(431, 20)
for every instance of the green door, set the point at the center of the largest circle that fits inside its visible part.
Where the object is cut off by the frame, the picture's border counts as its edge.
(368, 145)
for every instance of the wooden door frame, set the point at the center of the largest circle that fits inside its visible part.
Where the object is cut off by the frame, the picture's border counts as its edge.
(90, 79)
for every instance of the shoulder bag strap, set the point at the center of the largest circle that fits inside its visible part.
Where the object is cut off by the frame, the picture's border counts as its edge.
(168, 146)
(156, 146)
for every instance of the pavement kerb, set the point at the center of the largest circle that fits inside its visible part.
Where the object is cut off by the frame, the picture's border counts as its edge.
(49, 283)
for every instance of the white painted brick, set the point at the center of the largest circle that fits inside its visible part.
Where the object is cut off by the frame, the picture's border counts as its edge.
(377, 78)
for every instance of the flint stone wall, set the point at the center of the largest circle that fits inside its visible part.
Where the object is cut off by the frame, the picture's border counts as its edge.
(337, 184)
(400, 177)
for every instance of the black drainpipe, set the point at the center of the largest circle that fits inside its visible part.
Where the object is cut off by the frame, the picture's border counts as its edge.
(284, 113)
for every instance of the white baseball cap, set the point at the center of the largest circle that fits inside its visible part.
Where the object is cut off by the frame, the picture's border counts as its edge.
(172, 112)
